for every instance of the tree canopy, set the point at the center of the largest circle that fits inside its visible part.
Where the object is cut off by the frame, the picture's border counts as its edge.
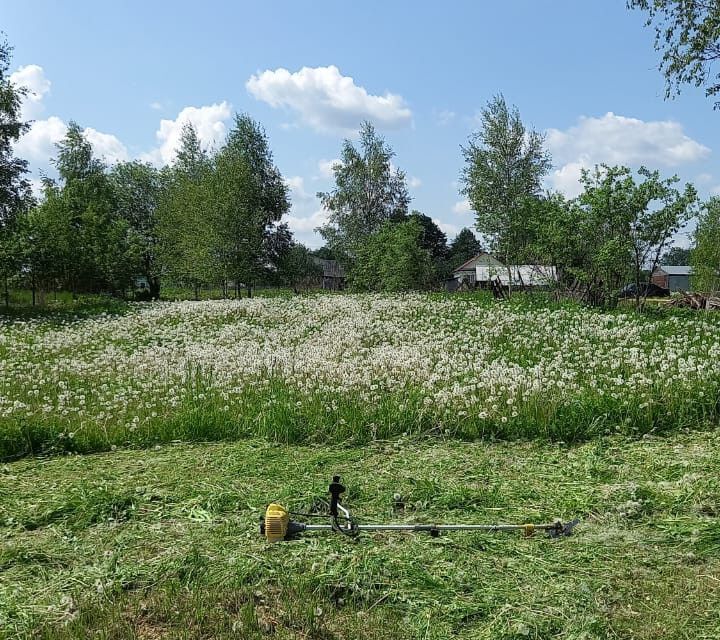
(368, 192)
(687, 33)
(15, 194)
(705, 258)
(504, 167)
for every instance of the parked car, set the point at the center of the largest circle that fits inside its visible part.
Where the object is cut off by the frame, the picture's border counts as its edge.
(646, 290)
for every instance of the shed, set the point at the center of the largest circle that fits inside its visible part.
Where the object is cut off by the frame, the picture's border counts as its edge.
(673, 277)
(333, 275)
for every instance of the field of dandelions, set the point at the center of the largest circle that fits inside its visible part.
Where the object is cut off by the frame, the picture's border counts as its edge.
(350, 368)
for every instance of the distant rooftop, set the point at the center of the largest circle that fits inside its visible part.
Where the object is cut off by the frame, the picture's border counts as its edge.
(677, 270)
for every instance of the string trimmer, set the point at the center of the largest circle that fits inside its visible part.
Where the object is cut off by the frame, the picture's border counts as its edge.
(277, 524)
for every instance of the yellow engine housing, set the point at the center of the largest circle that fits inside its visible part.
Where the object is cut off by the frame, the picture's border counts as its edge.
(277, 519)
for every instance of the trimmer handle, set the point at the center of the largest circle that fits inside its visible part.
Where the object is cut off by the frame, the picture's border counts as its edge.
(335, 490)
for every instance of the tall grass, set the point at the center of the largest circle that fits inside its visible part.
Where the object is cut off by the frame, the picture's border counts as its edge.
(333, 369)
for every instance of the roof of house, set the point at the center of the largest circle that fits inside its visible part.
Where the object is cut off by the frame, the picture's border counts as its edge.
(331, 268)
(469, 265)
(677, 270)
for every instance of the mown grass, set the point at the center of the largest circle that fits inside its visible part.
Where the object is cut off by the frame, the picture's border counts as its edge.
(163, 542)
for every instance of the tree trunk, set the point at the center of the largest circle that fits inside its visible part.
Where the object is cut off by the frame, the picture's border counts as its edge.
(7, 293)
(249, 291)
(196, 291)
(154, 286)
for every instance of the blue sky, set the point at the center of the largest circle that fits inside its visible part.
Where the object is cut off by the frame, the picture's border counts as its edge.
(584, 72)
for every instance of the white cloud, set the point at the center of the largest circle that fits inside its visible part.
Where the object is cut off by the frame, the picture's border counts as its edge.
(448, 229)
(414, 182)
(156, 105)
(462, 207)
(106, 146)
(614, 139)
(328, 101)
(296, 184)
(325, 167)
(209, 121)
(445, 117)
(566, 179)
(308, 223)
(38, 144)
(31, 77)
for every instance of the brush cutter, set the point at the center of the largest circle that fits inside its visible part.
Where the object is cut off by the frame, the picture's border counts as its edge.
(277, 524)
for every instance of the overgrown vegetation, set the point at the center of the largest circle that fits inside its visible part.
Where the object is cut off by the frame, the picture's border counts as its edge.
(330, 368)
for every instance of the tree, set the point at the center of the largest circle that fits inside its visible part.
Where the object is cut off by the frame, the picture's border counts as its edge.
(185, 225)
(368, 192)
(218, 218)
(705, 259)
(463, 247)
(432, 237)
(392, 259)
(624, 226)
(298, 268)
(15, 195)
(324, 252)
(137, 187)
(687, 32)
(250, 198)
(277, 244)
(676, 256)
(504, 167)
(86, 245)
(434, 240)
(659, 212)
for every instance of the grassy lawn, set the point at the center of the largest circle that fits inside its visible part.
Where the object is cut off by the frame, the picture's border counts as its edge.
(164, 542)
(139, 445)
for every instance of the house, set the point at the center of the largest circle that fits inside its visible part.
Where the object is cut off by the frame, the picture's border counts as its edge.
(517, 275)
(468, 270)
(674, 278)
(333, 275)
(483, 269)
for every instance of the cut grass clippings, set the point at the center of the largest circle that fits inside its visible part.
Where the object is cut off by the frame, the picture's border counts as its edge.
(163, 542)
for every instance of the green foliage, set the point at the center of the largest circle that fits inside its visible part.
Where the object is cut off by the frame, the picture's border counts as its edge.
(705, 259)
(299, 268)
(616, 229)
(15, 195)
(185, 227)
(676, 256)
(434, 241)
(218, 218)
(463, 247)
(367, 194)
(393, 259)
(138, 188)
(75, 236)
(687, 33)
(504, 167)
(249, 197)
(629, 224)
